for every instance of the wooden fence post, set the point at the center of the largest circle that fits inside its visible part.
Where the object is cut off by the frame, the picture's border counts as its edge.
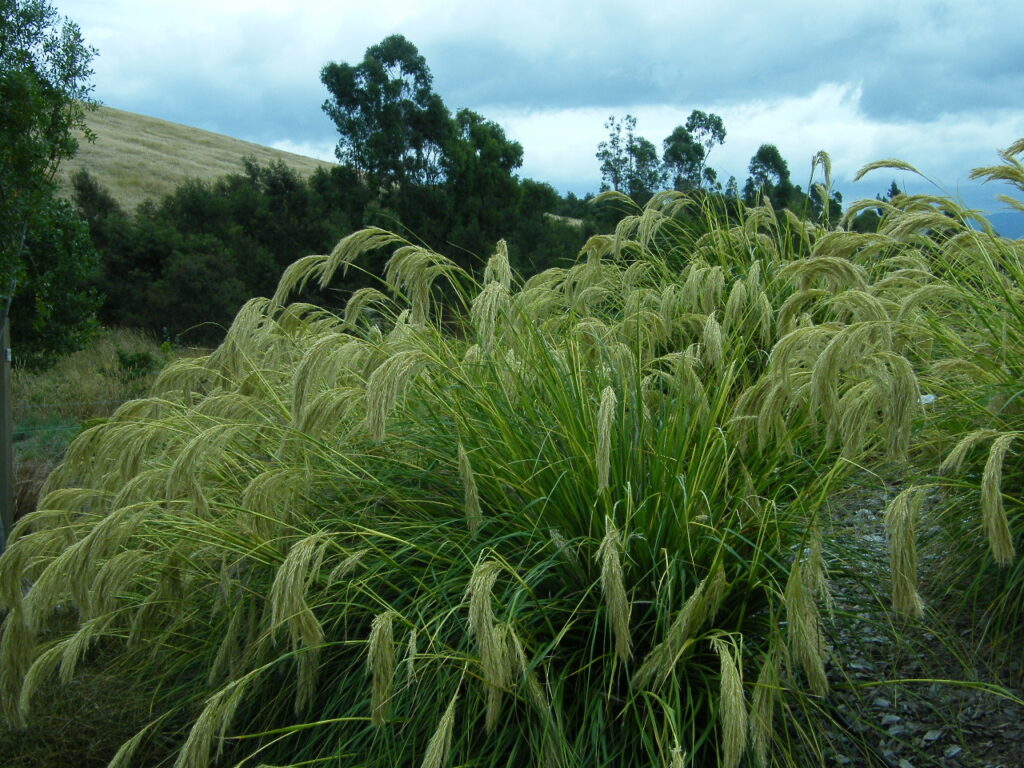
(6, 432)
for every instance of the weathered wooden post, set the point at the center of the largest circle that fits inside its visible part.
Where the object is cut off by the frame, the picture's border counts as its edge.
(6, 430)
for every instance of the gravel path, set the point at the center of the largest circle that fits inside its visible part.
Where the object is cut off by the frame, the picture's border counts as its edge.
(909, 721)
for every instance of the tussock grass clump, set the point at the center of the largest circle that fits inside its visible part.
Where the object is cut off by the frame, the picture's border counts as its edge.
(972, 319)
(582, 529)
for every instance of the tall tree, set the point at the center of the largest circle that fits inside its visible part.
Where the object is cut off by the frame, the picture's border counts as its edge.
(769, 177)
(687, 148)
(393, 127)
(483, 191)
(629, 163)
(44, 94)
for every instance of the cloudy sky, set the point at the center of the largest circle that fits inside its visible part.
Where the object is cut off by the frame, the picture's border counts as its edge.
(938, 84)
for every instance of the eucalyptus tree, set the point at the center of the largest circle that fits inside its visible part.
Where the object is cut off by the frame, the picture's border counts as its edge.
(769, 177)
(687, 148)
(393, 127)
(629, 163)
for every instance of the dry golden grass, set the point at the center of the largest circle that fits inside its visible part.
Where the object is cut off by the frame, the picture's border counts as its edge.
(137, 157)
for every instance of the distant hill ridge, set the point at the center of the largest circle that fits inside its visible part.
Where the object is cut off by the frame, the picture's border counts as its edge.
(136, 157)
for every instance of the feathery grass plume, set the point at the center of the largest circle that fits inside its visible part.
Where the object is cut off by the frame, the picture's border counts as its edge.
(699, 607)
(297, 275)
(182, 478)
(858, 409)
(732, 705)
(42, 668)
(472, 498)
(686, 382)
(837, 273)
(225, 663)
(498, 269)
(794, 305)
(440, 743)
(411, 272)
(380, 661)
(902, 402)
(613, 587)
(932, 222)
(125, 755)
(288, 606)
(762, 708)
(494, 659)
(993, 515)
(360, 301)
(518, 659)
(353, 246)
(735, 307)
(331, 411)
(954, 461)
(858, 306)
(844, 354)
(213, 723)
(411, 652)
(896, 165)
(487, 307)
(804, 629)
(272, 497)
(387, 384)
(345, 567)
(929, 294)
(320, 366)
(113, 578)
(712, 353)
(900, 527)
(605, 420)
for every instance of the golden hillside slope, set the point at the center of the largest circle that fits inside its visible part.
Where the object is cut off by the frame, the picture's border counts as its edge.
(137, 157)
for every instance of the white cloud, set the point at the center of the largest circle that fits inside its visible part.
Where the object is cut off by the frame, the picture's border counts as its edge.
(322, 150)
(923, 80)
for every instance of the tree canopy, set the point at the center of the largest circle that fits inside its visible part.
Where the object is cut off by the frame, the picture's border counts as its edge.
(629, 163)
(393, 127)
(44, 255)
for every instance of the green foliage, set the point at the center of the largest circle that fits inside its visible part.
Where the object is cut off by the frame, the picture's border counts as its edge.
(686, 150)
(769, 178)
(575, 523)
(187, 264)
(44, 260)
(393, 127)
(54, 310)
(629, 163)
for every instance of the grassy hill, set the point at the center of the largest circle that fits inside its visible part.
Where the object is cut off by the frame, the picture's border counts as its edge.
(137, 157)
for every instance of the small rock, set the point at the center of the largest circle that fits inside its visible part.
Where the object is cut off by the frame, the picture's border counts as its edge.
(904, 763)
(953, 751)
(890, 720)
(933, 735)
(881, 702)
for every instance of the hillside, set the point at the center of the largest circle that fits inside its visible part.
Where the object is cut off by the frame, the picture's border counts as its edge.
(137, 157)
